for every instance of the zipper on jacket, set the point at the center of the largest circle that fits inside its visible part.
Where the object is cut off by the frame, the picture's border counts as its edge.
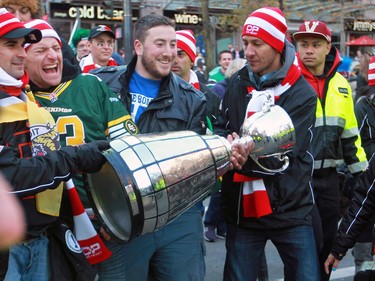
(323, 104)
(239, 204)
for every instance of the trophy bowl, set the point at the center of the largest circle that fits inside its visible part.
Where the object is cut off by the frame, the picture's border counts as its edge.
(273, 134)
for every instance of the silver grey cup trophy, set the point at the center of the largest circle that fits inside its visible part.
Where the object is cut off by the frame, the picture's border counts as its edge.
(151, 179)
(273, 134)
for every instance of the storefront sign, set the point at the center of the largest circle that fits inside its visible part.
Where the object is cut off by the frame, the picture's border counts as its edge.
(359, 25)
(187, 19)
(183, 18)
(85, 12)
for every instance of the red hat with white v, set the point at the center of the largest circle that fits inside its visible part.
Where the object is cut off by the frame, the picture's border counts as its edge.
(313, 28)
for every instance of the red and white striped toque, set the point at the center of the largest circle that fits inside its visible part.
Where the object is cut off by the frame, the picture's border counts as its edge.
(186, 42)
(268, 24)
(45, 28)
(12, 28)
(371, 72)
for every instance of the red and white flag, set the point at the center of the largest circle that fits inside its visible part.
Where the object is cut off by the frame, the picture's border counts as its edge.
(255, 201)
(85, 233)
(255, 197)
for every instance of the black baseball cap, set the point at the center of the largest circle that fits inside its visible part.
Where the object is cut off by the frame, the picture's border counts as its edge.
(97, 30)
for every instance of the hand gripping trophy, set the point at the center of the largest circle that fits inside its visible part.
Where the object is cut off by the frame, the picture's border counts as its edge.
(272, 132)
(150, 179)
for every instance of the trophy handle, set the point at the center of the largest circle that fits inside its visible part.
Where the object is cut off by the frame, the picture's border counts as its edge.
(280, 157)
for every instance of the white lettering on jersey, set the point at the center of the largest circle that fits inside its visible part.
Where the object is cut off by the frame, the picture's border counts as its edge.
(139, 101)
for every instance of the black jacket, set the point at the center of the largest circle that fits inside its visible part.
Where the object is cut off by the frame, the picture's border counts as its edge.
(359, 213)
(29, 176)
(213, 104)
(178, 106)
(290, 191)
(365, 114)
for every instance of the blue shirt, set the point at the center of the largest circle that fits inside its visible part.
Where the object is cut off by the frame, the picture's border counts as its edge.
(143, 91)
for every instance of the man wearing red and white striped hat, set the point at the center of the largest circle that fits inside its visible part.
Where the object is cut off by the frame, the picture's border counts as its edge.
(260, 205)
(186, 54)
(182, 66)
(83, 107)
(30, 161)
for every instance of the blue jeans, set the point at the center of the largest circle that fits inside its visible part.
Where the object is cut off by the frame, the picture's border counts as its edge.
(113, 268)
(174, 252)
(213, 215)
(296, 246)
(200, 206)
(29, 261)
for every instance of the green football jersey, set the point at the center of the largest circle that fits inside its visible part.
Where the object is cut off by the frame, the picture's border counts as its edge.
(86, 110)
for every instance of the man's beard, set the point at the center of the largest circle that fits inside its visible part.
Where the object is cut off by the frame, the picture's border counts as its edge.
(150, 66)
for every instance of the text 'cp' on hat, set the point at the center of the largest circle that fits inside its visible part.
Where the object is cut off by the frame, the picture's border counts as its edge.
(313, 28)
(268, 24)
(97, 30)
(12, 28)
(186, 42)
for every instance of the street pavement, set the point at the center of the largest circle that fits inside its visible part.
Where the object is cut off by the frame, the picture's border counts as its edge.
(215, 256)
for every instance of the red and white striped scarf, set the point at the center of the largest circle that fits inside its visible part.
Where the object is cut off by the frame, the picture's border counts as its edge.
(194, 80)
(11, 85)
(255, 199)
(88, 64)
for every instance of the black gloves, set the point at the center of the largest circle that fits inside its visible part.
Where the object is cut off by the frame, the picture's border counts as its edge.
(87, 157)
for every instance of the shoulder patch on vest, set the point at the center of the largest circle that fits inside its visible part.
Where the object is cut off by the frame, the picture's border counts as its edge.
(343, 91)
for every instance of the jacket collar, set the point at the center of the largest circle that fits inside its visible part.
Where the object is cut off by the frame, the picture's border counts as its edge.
(274, 78)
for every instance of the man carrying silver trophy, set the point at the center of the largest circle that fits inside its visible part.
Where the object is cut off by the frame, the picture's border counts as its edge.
(153, 178)
(273, 200)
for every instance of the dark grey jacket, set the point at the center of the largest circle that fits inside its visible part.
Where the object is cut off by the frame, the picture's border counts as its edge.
(290, 192)
(359, 214)
(178, 106)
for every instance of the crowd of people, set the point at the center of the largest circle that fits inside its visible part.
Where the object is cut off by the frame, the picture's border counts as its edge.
(60, 107)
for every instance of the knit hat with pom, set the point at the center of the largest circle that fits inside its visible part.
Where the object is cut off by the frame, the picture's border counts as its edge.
(186, 42)
(45, 28)
(371, 72)
(80, 34)
(268, 24)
